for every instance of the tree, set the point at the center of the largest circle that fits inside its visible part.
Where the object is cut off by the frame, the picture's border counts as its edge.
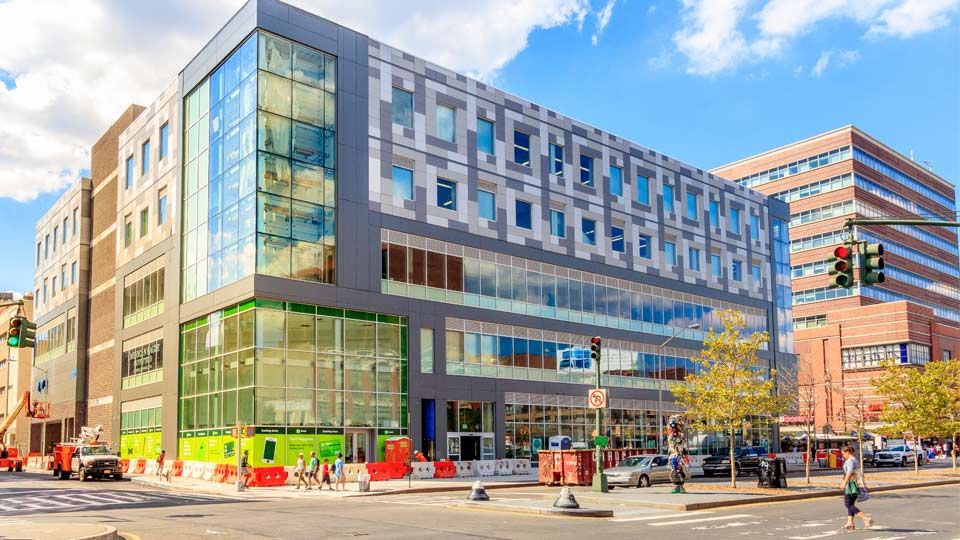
(856, 416)
(730, 386)
(919, 401)
(799, 390)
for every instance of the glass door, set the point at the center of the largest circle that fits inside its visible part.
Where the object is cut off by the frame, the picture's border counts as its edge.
(358, 448)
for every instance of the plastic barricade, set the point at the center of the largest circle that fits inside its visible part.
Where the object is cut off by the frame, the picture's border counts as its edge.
(124, 465)
(139, 466)
(197, 471)
(208, 471)
(4, 463)
(397, 470)
(503, 467)
(34, 462)
(351, 471)
(521, 467)
(176, 468)
(220, 473)
(422, 470)
(465, 469)
(444, 469)
(231, 477)
(379, 472)
(268, 476)
(151, 467)
(486, 468)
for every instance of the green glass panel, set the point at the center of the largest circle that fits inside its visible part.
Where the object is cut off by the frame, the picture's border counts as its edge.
(360, 315)
(270, 304)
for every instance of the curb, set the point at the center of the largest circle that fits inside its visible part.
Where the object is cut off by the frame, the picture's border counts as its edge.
(31, 530)
(562, 512)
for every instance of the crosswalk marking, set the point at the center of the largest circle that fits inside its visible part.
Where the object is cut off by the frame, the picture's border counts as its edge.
(658, 516)
(74, 499)
(812, 537)
(698, 520)
(726, 525)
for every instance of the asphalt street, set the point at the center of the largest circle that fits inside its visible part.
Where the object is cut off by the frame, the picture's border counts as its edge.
(143, 513)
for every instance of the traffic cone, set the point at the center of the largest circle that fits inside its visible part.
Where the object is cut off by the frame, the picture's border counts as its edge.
(477, 493)
(566, 500)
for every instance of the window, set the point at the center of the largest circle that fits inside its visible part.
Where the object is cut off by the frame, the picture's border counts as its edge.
(643, 246)
(73, 272)
(66, 229)
(735, 220)
(162, 208)
(487, 201)
(755, 273)
(947, 354)
(164, 140)
(588, 228)
(38, 253)
(670, 253)
(693, 207)
(129, 179)
(714, 214)
(426, 350)
(76, 221)
(145, 158)
(668, 206)
(558, 225)
(556, 159)
(46, 246)
(63, 276)
(143, 293)
(524, 217)
(127, 231)
(485, 136)
(144, 221)
(403, 108)
(446, 123)
(616, 181)
(402, 183)
(586, 170)
(521, 148)
(56, 235)
(617, 241)
(446, 194)
(53, 292)
(46, 283)
(716, 270)
(694, 263)
(643, 190)
(736, 270)
(754, 227)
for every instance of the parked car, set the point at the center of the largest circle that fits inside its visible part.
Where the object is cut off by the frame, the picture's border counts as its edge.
(746, 459)
(639, 471)
(895, 455)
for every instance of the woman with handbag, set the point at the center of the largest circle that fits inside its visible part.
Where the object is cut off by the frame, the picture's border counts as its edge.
(851, 490)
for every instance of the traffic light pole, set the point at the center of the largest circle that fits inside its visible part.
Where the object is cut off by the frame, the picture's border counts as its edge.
(599, 479)
(850, 223)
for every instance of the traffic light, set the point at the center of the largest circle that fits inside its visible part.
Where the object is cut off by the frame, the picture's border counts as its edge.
(872, 269)
(22, 333)
(841, 267)
(595, 349)
(13, 334)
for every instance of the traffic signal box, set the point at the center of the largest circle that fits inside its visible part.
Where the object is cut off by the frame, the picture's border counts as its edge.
(841, 267)
(595, 349)
(871, 270)
(22, 333)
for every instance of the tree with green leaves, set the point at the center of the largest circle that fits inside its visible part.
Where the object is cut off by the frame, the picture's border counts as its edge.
(731, 386)
(919, 401)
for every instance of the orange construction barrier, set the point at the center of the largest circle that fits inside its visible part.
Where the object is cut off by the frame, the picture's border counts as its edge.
(396, 470)
(220, 473)
(379, 472)
(177, 468)
(268, 476)
(444, 469)
(140, 466)
(124, 465)
(231, 477)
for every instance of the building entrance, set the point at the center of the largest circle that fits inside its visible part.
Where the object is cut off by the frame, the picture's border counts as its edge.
(358, 447)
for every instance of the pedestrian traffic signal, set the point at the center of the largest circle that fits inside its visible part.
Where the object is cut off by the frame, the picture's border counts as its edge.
(595, 348)
(841, 267)
(872, 270)
(22, 333)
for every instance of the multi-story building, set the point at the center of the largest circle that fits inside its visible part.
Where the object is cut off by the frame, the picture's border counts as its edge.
(337, 243)
(16, 374)
(844, 334)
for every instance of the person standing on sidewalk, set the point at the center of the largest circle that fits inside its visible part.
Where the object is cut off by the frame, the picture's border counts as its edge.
(851, 490)
(160, 460)
(338, 475)
(313, 469)
(300, 472)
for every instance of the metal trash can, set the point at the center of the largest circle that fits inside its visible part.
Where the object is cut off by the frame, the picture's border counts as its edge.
(772, 472)
(363, 481)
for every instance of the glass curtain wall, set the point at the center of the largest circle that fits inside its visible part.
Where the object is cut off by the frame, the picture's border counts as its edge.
(259, 186)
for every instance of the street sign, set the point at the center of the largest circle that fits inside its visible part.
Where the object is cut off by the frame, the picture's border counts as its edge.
(597, 398)
(601, 442)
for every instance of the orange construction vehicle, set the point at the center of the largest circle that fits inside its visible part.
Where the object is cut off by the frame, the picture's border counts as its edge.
(86, 457)
(9, 458)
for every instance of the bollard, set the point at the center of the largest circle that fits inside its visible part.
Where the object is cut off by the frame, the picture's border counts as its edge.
(477, 493)
(566, 500)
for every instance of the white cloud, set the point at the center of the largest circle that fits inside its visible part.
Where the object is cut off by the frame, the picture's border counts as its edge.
(652, 9)
(603, 19)
(660, 61)
(838, 58)
(76, 65)
(719, 35)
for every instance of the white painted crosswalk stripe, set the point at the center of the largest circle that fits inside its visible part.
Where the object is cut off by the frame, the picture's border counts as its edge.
(813, 537)
(699, 520)
(657, 516)
(726, 525)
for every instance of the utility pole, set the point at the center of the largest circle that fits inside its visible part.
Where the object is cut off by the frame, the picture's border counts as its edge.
(598, 399)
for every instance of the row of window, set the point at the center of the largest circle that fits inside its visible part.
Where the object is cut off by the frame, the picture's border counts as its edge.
(910, 230)
(813, 321)
(56, 338)
(815, 188)
(818, 240)
(143, 294)
(145, 156)
(925, 283)
(886, 295)
(822, 293)
(144, 219)
(899, 200)
(874, 356)
(819, 214)
(62, 232)
(907, 180)
(795, 167)
(64, 281)
(149, 419)
(947, 267)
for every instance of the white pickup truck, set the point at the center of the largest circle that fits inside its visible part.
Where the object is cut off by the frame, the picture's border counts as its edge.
(895, 455)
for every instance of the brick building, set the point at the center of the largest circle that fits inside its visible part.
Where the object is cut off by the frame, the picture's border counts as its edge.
(15, 375)
(843, 334)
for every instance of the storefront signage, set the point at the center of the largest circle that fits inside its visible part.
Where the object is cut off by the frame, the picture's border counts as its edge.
(142, 359)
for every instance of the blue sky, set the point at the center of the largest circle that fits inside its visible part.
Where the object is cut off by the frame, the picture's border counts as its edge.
(705, 81)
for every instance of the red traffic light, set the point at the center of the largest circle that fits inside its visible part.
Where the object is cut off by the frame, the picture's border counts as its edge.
(842, 252)
(15, 323)
(595, 340)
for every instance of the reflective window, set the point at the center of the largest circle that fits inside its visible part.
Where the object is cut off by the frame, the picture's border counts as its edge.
(162, 208)
(402, 108)
(446, 123)
(668, 202)
(586, 170)
(164, 140)
(643, 190)
(736, 270)
(144, 222)
(754, 227)
(616, 181)
(446, 194)
(143, 293)
(485, 136)
(670, 253)
(644, 248)
(693, 207)
(73, 273)
(693, 262)
(521, 148)
(524, 215)
(487, 203)
(755, 273)
(588, 230)
(127, 231)
(716, 269)
(617, 242)
(556, 159)
(402, 183)
(558, 225)
(128, 183)
(714, 214)
(735, 220)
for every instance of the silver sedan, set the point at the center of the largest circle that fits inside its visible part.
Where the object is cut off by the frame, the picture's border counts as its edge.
(640, 471)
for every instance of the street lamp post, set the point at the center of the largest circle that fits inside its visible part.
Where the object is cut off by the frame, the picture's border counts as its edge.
(660, 347)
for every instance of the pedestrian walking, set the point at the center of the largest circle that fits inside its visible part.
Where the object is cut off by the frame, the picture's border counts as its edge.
(160, 459)
(245, 473)
(339, 477)
(851, 490)
(326, 475)
(313, 469)
(300, 471)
